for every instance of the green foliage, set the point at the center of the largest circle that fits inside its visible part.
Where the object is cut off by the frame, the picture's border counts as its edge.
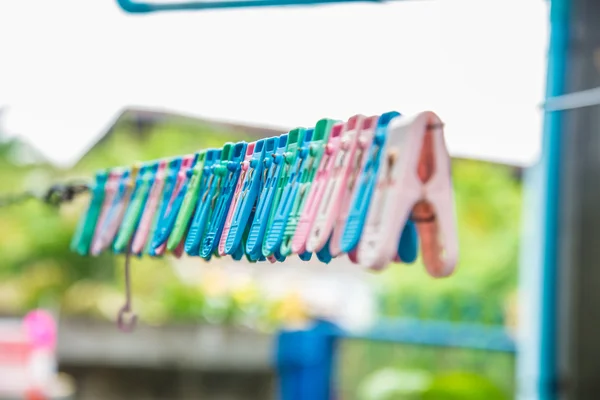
(488, 206)
(402, 384)
(463, 386)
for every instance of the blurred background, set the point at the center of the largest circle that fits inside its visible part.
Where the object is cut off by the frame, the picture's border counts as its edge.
(84, 86)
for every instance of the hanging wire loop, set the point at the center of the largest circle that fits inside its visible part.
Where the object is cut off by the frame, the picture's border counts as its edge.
(126, 319)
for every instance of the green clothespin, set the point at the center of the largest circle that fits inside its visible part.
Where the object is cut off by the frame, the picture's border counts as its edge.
(316, 150)
(136, 206)
(186, 212)
(86, 225)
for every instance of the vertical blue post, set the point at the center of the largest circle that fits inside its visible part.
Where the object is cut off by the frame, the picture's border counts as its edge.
(305, 362)
(537, 363)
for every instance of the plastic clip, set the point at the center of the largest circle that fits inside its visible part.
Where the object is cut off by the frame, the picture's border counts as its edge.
(167, 196)
(236, 197)
(286, 190)
(259, 167)
(305, 178)
(188, 206)
(287, 144)
(198, 224)
(336, 176)
(144, 228)
(229, 173)
(319, 185)
(110, 191)
(139, 196)
(366, 185)
(418, 181)
(356, 164)
(116, 212)
(86, 226)
(171, 208)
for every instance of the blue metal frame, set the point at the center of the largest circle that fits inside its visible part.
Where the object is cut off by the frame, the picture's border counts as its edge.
(136, 7)
(438, 334)
(537, 357)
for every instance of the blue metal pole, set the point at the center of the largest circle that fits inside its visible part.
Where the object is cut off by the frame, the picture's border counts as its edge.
(537, 364)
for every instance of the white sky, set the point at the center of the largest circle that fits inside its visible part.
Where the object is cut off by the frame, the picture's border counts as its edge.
(68, 66)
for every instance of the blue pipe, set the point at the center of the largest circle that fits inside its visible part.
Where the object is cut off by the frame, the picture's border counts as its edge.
(135, 7)
(551, 164)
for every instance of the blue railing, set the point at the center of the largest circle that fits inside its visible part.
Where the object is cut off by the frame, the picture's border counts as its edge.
(438, 334)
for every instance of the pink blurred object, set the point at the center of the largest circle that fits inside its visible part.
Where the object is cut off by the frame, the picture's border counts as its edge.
(41, 329)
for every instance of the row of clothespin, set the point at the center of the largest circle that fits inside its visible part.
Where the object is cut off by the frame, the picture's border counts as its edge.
(370, 187)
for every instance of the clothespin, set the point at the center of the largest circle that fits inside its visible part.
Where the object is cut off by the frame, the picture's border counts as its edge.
(417, 180)
(110, 191)
(320, 183)
(407, 247)
(366, 185)
(236, 197)
(153, 247)
(139, 196)
(198, 224)
(297, 138)
(190, 200)
(172, 206)
(258, 170)
(229, 174)
(150, 208)
(337, 173)
(305, 178)
(86, 226)
(287, 188)
(270, 192)
(117, 209)
(356, 163)
(273, 147)
(216, 184)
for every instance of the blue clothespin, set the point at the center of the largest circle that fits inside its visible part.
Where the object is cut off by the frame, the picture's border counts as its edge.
(229, 173)
(198, 224)
(365, 185)
(276, 230)
(167, 221)
(167, 194)
(251, 188)
(267, 195)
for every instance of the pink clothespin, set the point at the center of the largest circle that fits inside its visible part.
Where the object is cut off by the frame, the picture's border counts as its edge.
(110, 191)
(317, 190)
(236, 197)
(119, 205)
(145, 225)
(415, 179)
(357, 163)
(336, 179)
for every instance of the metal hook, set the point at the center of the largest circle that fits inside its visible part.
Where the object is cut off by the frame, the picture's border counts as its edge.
(127, 324)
